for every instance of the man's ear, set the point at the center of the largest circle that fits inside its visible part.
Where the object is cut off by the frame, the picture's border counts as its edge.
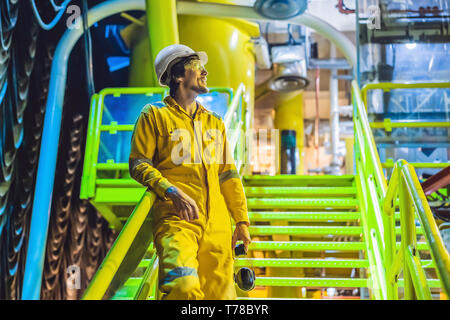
(179, 80)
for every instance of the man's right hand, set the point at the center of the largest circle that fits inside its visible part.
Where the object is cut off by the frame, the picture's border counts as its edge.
(185, 207)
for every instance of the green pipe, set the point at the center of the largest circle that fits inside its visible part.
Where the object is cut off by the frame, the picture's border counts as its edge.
(87, 164)
(162, 24)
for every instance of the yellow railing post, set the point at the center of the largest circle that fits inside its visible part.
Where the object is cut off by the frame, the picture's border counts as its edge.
(408, 236)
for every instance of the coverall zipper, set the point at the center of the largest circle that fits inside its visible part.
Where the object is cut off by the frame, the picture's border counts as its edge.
(203, 164)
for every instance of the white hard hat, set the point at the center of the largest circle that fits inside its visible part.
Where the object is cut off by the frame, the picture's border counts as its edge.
(169, 54)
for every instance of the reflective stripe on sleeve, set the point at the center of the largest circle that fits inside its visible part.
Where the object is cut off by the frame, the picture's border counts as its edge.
(224, 176)
(133, 163)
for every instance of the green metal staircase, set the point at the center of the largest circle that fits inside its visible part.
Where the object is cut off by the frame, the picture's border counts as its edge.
(310, 233)
(319, 218)
(309, 238)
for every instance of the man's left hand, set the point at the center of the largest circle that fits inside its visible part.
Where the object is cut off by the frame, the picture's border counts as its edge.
(241, 233)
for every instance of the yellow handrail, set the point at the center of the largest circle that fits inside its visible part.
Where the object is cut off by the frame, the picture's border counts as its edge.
(103, 277)
(387, 86)
(233, 106)
(405, 185)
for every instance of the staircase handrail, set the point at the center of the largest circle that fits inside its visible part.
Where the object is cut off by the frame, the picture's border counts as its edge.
(372, 187)
(405, 185)
(114, 258)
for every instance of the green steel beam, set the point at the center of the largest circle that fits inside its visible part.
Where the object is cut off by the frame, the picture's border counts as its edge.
(112, 166)
(390, 164)
(118, 183)
(387, 124)
(87, 163)
(432, 283)
(109, 215)
(116, 127)
(303, 216)
(119, 196)
(284, 204)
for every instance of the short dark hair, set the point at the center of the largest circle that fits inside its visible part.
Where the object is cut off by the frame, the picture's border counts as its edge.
(177, 70)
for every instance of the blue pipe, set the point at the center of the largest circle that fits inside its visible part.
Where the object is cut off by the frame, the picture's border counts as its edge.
(49, 145)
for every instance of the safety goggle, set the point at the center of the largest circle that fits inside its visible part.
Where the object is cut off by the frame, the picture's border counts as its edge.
(195, 65)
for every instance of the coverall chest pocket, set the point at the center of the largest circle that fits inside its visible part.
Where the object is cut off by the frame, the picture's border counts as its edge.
(212, 147)
(175, 142)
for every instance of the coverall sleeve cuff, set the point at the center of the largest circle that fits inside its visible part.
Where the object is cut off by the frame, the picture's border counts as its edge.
(247, 223)
(161, 188)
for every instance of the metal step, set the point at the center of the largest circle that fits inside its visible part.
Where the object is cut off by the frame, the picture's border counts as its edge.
(305, 230)
(306, 245)
(326, 282)
(337, 298)
(299, 191)
(311, 282)
(314, 230)
(283, 204)
(301, 263)
(303, 216)
(311, 263)
(318, 246)
(286, 180)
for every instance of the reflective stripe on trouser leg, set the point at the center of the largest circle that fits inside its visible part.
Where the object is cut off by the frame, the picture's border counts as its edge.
(176, 243)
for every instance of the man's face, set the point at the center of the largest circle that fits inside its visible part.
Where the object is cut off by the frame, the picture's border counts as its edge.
(195, 76)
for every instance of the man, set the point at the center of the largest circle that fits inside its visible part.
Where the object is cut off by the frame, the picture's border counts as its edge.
(196, 195)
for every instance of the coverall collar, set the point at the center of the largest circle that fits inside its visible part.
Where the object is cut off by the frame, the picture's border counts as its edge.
(172, 103)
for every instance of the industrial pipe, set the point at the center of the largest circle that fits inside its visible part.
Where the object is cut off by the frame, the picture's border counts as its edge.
(334, 117)
(343, 43)
(49, 145)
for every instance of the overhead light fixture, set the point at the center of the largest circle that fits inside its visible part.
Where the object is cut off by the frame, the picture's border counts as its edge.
(280, 9)
(289, 68)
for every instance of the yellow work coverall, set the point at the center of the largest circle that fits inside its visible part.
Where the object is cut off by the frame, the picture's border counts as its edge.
(171, 148)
